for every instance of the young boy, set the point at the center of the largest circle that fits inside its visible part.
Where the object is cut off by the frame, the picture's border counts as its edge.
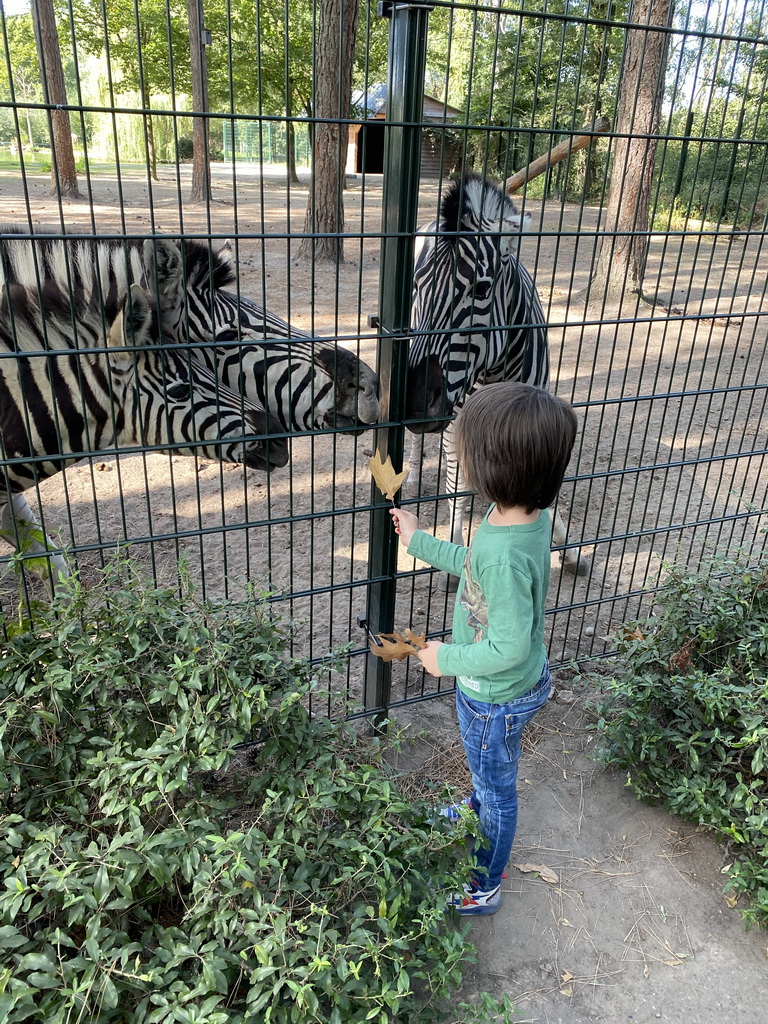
(513, 442)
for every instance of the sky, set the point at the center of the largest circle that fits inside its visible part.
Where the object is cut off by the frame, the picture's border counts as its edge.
(15, 6)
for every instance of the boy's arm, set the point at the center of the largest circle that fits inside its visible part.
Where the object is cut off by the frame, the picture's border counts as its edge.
(441, 554)
(507, 640)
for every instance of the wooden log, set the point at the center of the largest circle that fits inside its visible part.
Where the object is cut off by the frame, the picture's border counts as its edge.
(558, 153)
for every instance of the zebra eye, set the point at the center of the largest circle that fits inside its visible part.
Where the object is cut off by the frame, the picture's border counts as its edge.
(482, 288)
(230, 334)
(179, 392)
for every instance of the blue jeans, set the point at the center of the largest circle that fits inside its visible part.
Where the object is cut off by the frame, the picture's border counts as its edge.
(491, 736)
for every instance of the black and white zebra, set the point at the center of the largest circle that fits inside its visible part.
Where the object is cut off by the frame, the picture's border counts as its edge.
(305, 383)
(82, 368)
(476, 319)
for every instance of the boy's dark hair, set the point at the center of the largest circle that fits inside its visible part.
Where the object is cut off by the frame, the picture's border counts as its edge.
(513, 442)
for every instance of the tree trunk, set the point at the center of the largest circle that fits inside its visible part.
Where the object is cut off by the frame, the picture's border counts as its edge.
(620, 264)
(63, 170)
(201, 168)
(146, 99)
(333, 94)
(290, 138)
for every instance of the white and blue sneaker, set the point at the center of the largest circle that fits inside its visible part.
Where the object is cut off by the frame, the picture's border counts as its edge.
(473, 902)
(453, 813)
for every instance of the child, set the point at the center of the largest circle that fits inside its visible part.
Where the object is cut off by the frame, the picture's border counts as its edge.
(513, 443)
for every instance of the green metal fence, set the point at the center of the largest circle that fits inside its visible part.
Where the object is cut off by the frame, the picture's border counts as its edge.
(646, 245)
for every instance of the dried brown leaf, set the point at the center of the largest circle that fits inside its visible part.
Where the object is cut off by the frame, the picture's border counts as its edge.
(544, 872)
(396, 646)
(386, 479)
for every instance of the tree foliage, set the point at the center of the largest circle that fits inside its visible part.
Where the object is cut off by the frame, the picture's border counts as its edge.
(521, 80)
(20, 81)
(527, 78)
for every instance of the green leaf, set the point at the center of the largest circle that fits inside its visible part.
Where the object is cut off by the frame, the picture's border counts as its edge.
(39, 980)
(11, 938)
(36, 962)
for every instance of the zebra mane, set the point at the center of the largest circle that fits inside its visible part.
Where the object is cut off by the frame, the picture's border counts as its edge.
(205, 267)
(471, 200)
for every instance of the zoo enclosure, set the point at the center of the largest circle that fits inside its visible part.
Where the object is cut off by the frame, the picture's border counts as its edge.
(669, 385)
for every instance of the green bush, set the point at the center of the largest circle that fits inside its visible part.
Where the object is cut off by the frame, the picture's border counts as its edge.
(687, 713)
(153, 874)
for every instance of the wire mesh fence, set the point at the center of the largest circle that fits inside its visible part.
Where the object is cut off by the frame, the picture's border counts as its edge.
(277, 135)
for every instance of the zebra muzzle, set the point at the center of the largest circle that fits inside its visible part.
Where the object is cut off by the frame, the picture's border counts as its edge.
(270, 449)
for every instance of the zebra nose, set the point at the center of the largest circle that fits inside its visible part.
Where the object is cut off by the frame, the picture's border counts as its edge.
(271, 453)
(270, 450)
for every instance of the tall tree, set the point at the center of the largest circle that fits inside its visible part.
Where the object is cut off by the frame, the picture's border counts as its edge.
(334, 59)
(620, 262)
(201, 168)
(63, 169)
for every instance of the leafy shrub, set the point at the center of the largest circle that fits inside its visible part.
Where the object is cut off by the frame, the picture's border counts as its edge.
(687, 714)
(184, 147)
(153, 874)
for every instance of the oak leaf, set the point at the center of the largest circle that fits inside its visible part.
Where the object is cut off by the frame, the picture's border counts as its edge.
(386, 479)
(396, 646)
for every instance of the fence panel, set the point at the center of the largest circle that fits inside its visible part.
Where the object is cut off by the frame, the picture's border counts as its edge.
(669, 381)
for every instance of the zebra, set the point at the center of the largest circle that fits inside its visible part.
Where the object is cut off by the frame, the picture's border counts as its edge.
(306, 383)
(476, 318)
(82, 369)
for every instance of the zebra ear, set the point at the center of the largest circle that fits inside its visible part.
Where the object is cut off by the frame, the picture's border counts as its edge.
(131, 325)
(162, 263)
(513, 222)
(516, 221)
(226, 253)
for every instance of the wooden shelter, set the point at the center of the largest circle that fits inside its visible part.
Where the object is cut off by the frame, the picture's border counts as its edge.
(440, 150)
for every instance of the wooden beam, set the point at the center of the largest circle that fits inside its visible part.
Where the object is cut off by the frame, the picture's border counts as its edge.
(558, 153)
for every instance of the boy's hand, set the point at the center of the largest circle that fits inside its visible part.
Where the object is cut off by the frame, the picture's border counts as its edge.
(428, 657)
(406, 524)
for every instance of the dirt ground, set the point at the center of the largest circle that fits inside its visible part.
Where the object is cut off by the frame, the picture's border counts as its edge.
(657, 450)
(634, 926)
(636, 929)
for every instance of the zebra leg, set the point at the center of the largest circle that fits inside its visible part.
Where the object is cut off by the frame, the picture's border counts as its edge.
(572, 559)
(415, 459)
(457, 506)
(21, 528)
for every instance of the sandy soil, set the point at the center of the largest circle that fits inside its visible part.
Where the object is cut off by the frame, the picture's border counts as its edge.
(636, 929)
(634, 926)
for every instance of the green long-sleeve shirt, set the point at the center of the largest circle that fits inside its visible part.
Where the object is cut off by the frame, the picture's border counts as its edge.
(498, 652)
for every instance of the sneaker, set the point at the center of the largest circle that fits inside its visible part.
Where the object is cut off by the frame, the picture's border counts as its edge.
(453, 813)
(474, 902)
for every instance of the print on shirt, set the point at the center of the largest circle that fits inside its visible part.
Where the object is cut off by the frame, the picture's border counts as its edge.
(473, 599)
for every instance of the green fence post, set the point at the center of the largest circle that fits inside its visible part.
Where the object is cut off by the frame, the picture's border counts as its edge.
(400, 200)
